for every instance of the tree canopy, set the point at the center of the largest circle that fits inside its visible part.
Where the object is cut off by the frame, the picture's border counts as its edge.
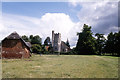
(47, 41)
(100, 42)
(86, 42)
(112, 44)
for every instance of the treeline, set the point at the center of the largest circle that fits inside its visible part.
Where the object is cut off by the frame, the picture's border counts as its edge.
(88, 43)
(36, 43)
(38, 47)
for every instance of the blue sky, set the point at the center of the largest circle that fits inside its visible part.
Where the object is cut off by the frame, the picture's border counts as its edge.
(67, 18)
(37, 9)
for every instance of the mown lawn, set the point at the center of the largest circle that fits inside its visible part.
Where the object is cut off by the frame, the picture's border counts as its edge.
(63, 66)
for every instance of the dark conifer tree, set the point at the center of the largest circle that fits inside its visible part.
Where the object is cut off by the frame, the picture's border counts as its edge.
(86, 42)
(100, 42)
(67, 43)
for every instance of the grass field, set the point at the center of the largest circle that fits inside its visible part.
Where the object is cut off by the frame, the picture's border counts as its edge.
(63, 66)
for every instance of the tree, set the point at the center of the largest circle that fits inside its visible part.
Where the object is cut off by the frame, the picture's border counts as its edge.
(86, 42)
(31, 37)
(100, 41)
(112, 44)
(67, 43)
(24, 37)
(36, 40)
(36, 48)
(117, 43)
(47, 41)
(109, 45)
(0, 43)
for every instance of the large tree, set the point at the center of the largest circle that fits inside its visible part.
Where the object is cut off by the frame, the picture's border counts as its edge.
(31, 37)
(36, 40)
(86, 42)
(24, 37)
(100, 41)
(36, 48)
(109, 45)
(112, 44)
(117, 43)
(47, 41)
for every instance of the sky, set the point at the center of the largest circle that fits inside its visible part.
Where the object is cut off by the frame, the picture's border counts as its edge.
(67, 18)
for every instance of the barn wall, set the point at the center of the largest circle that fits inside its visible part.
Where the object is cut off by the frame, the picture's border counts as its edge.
(14, 49)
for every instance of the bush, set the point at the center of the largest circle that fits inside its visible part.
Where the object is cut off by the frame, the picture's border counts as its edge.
(68, 53)
(36, 48)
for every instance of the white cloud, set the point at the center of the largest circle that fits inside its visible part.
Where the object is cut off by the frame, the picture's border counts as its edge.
(101, 16)
(59, 22)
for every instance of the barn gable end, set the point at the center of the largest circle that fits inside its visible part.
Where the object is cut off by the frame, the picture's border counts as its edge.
(14, 46)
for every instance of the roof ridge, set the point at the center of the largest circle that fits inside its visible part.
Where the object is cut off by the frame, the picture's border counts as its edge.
(13, 35)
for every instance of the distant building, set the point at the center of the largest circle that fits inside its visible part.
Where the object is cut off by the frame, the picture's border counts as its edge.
(47, 48)
(57, 44)
(13, 46)
(56, 41)
(64, 47)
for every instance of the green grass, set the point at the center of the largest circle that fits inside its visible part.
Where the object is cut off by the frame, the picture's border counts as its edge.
(63, 66)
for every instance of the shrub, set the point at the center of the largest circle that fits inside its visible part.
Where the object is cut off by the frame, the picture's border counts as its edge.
(36, 48)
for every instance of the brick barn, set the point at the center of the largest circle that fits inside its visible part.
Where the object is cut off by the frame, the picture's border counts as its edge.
(13, 46)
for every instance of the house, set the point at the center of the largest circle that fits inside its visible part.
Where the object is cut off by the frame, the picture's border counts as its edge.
(57, 44)
(64, 47)
(13, 46)
(47, 48)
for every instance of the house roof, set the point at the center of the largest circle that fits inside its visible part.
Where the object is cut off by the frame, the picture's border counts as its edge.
(28, 44)
(15, 35)
(63, 43)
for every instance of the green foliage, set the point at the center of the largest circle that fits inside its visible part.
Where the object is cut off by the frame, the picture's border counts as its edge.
(68, 53)
(33, 39)
(86, 42)
(112, 44)
(100, 42)
(47, 41)
(36, 48)
(36, 40)
(67, 43)
(109, 48)
(24, 37)
(0, 43)
(44, 50)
